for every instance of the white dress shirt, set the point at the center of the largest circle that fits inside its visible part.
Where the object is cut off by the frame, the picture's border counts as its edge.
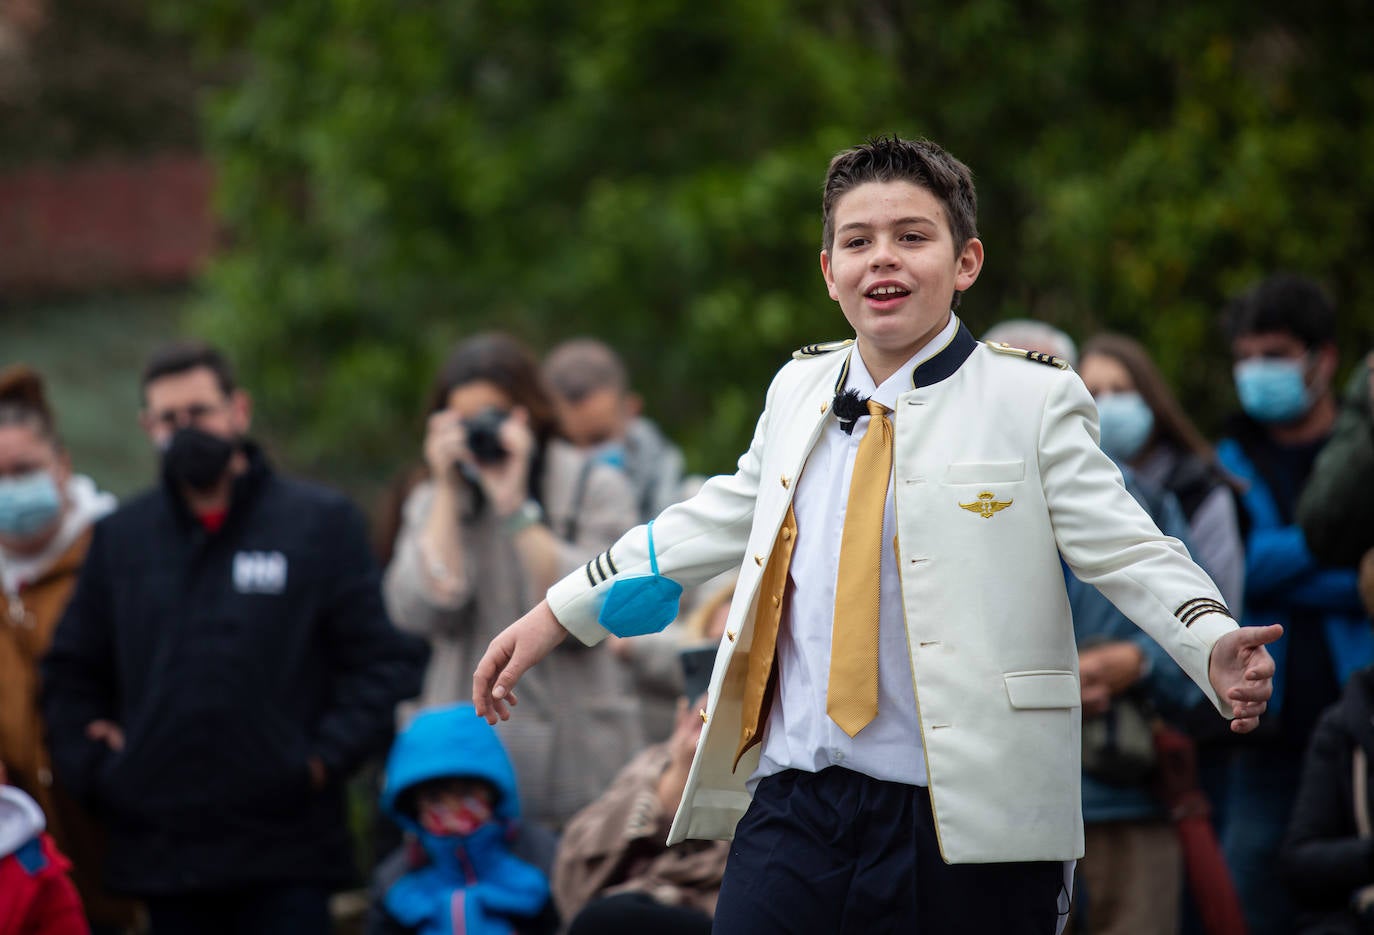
(799, 734)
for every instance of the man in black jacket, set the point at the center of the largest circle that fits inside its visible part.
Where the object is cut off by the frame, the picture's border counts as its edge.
(223, 666)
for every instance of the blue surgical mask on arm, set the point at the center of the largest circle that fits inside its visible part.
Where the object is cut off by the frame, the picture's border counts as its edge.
(28, 504)
(1126, 422)
(1272, 389)
(641, 603)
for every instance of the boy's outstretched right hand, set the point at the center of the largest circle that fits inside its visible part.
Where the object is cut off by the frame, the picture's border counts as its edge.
(514, 650)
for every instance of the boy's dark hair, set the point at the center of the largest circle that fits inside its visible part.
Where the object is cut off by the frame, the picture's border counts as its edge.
(577, 368)
(1283, 302)
(184, 356)
(892, 159)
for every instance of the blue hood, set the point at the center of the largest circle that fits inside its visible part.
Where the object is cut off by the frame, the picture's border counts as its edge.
(448, 741)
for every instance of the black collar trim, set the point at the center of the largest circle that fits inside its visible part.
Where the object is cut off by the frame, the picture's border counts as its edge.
(949, 359)
(933, 370)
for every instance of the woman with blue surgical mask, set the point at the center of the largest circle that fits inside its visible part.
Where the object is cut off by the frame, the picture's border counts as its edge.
(1143, 426)
(46, 516)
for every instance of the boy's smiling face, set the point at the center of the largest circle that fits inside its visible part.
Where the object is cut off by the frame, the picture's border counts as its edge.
(894, 269)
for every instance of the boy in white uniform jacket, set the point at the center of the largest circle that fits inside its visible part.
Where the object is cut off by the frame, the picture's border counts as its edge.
(892, 727)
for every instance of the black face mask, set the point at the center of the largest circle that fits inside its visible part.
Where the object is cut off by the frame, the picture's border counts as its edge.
(197, 459)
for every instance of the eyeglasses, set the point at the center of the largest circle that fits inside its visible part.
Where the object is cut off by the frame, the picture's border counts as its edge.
(189, 415)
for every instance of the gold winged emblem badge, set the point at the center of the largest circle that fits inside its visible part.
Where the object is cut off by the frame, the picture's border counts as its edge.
(986, 505)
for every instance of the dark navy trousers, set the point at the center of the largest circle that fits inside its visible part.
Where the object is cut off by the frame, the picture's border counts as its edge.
(837, 852)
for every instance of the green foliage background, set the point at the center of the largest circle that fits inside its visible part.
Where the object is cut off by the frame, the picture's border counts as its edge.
(396, 174)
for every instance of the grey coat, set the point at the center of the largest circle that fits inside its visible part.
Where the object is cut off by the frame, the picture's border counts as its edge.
(578, 721)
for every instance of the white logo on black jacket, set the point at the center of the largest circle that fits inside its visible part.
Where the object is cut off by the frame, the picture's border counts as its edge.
(259, 572)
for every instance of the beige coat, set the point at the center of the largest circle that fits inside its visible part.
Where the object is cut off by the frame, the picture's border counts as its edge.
(616, 845)
(579, 719)
(990, 638)
(27, 622)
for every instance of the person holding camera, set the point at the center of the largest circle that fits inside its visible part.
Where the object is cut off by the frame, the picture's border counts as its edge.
(506, 510)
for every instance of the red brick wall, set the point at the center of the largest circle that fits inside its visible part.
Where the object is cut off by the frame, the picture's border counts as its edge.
(78, 227)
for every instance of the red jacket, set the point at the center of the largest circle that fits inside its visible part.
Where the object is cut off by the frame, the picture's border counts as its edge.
(36, 897)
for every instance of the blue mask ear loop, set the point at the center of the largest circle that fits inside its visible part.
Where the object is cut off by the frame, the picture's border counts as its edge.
(639, 604)
(653, 558)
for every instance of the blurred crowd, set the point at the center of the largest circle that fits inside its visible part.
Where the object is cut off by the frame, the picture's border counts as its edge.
(191, 681)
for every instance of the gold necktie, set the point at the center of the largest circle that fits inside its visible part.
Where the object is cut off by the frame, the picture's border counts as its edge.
(852, 698)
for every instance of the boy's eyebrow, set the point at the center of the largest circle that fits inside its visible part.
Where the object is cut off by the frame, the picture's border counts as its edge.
(899, 222)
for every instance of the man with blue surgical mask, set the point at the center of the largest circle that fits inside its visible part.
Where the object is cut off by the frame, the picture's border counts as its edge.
(1282, 334)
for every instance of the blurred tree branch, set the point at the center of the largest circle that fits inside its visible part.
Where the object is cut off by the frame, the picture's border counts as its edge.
(396, 175)
(103, 78)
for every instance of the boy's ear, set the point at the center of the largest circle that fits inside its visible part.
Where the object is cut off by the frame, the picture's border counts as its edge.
(825, 273)
(968, 264)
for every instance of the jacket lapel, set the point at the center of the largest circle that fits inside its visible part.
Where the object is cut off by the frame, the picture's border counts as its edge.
(806, 417)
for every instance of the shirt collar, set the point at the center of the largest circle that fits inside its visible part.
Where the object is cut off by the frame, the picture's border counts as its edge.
(901, 379)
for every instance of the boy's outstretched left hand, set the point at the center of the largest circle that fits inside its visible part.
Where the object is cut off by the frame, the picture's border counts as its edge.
(1242, 673)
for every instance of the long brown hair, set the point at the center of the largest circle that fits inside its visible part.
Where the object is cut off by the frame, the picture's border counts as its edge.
(496, 358)
(1172, 424)
(501, 360)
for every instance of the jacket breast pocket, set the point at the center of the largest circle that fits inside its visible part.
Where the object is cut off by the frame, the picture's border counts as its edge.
(985, 472)
(1042, 688)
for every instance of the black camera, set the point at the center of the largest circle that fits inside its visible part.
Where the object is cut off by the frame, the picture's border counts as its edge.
(484, 435)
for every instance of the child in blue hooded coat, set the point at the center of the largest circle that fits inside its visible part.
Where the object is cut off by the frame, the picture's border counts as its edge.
(450, 785)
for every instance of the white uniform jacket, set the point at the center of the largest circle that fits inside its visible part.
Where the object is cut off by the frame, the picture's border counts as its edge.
(988, 623)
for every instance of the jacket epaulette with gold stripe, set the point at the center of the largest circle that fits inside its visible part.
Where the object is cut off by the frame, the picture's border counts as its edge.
(816, 350)
(1037, 356)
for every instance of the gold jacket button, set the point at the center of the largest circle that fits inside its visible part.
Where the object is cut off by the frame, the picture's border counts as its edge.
(702, 714)
(786, 481)
(824, 406)
(758, 560)
(730, 635)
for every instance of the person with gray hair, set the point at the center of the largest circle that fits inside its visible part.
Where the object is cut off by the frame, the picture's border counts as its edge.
(1034, 336)
(598, 413)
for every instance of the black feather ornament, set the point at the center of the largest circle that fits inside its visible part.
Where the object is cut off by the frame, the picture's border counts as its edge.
(849, 407)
